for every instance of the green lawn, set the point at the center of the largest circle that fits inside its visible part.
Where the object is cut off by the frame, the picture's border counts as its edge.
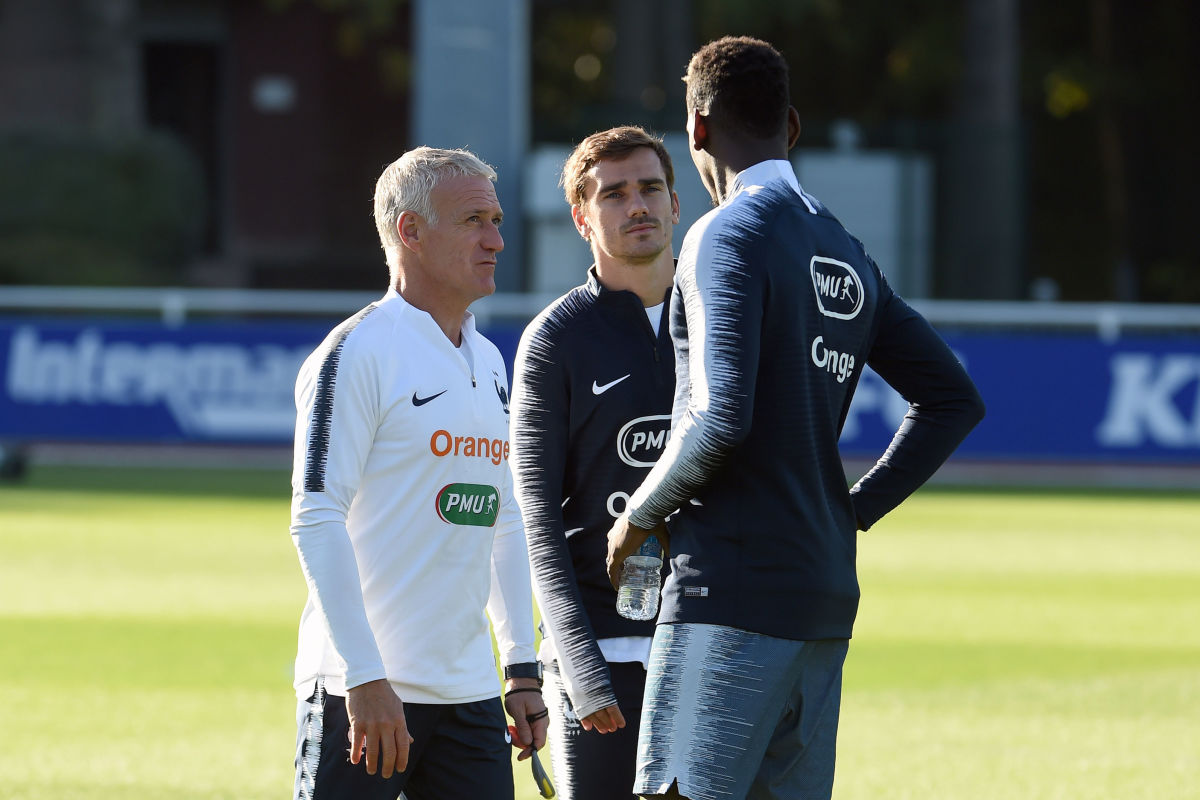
(1010, 644)
(1027, 645)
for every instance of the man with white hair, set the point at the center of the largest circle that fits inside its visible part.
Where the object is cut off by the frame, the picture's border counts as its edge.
(404, 519)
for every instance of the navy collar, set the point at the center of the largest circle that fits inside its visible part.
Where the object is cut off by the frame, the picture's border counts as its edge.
(604, 294)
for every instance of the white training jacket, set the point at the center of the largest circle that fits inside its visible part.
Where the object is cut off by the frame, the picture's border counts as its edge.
(403, 511)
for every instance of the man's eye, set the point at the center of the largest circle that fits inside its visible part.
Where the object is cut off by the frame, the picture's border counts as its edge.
(653, 188)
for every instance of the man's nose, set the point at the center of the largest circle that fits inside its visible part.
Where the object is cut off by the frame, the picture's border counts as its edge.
(493, 241)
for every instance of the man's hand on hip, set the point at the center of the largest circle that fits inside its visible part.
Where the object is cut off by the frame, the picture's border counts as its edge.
(377, 728)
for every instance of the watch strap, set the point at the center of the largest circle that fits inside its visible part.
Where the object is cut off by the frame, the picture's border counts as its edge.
(525, 669)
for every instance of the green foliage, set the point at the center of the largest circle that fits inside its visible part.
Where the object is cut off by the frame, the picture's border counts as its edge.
(1107, 123)
(569, 101)
(76, 209)
(867, 60)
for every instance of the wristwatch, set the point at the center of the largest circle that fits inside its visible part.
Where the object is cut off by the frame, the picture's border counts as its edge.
(526, 669)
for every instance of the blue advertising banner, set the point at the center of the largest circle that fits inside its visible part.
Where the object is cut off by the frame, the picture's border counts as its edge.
(145, 382)
(1060, 397)
(1050, 397)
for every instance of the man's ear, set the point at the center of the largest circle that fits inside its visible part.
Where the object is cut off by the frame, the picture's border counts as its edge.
(699, 131)
(409, 228)
(581, 223)
(793, 127)
(674, 208)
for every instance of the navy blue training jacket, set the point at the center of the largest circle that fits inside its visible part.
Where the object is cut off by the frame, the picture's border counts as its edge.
(591, 409)
(775, 312)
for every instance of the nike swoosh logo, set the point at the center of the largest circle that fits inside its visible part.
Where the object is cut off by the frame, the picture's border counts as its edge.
(598, 389)
(420, 401)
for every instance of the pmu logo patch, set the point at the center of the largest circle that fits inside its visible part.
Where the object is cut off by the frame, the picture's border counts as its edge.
(640, 442)
(468, 504)
(838, 287)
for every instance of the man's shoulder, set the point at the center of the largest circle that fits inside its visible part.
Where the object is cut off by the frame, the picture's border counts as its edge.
(357, 338)
(560, 316)
(732, 227)
(373, 327)
(350, 326)
(746, 213)
(757, 206)
(712, 220)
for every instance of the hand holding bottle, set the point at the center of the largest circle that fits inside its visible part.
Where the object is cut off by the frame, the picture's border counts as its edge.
(624, 539)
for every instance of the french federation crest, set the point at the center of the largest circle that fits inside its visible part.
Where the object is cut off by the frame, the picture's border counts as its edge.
(502, 393)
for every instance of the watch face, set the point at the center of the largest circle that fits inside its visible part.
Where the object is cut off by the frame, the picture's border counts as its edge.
(529, 670)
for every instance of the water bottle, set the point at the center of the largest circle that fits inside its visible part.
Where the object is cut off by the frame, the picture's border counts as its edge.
(637, 597)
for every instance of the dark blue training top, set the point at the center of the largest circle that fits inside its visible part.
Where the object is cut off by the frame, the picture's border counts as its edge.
(591, 409)
(775, 311)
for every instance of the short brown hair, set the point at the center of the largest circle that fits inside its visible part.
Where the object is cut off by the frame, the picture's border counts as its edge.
(613, 144)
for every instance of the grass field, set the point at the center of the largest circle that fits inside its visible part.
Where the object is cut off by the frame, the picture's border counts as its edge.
(1029, 645)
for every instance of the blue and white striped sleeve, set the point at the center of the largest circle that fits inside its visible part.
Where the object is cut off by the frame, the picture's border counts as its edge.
(722, 301)
(540, 426)
(337, 413)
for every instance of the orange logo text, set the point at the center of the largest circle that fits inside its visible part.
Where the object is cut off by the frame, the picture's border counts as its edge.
(443, 443)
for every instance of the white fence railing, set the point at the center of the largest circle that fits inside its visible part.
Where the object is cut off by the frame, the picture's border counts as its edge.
(176, 305)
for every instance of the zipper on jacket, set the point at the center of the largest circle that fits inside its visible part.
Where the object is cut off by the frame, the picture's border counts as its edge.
(654, 336)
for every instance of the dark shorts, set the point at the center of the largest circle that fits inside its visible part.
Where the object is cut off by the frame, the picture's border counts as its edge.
(459, 751)
(590, 765)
